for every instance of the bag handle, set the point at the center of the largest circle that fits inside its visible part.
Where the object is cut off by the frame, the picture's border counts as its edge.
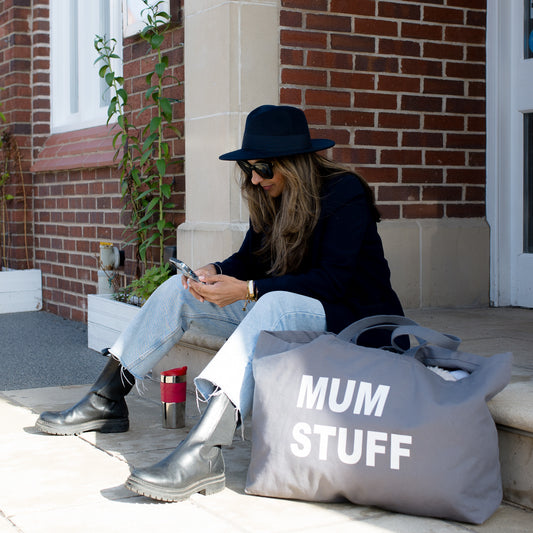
(399, 326)
(427, 335)
(352, 332)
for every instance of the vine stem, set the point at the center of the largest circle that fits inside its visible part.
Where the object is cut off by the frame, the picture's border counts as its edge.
(159, 154)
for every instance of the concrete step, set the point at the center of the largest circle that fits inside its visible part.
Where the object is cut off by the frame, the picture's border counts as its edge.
(512, 412)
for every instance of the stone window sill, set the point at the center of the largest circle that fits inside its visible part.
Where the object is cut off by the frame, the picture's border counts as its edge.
(74, 150)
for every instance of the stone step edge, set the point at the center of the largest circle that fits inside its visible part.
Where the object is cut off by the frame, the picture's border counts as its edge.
(509, 408)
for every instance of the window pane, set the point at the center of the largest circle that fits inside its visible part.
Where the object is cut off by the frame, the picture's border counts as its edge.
(105, 30)
(528, 27)
(73, 51)
(79, 96)
(528, 183)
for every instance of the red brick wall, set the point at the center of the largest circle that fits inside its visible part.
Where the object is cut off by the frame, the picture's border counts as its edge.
(400, 87)
(77, 205)
(16, 79)
(139, 60)
(73, 211)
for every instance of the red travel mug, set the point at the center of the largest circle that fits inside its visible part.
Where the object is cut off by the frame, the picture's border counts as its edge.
(173, 397)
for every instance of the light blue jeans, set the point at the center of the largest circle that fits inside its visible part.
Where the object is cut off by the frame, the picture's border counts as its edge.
(172, 310)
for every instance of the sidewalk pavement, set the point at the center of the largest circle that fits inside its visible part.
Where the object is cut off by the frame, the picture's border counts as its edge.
(56, 484)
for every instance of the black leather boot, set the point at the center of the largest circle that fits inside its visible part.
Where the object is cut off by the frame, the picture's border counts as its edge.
(196, 465)
(103, 408)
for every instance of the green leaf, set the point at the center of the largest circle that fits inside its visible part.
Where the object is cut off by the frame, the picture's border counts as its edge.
(175, 130)
(156, 41)
(143, 194)
(149, 141)
(150, 92)
(102, 70)
(166, 107)
(146, 155)
(145, 218)
(136, 176)
(150, 240)
(123, 95)
(109, 77)
(154, 124)
(150, 208)
(143, 110)
(142, 252)
(161, 226)
(161, 166)
(160, 69)
(115, 138)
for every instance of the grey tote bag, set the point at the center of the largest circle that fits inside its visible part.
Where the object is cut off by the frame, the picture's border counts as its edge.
(333, 421)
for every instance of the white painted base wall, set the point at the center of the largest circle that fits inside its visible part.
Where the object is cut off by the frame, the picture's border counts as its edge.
(20, 291)
(106, 319)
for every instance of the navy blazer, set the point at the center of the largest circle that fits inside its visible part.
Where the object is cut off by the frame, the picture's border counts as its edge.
(345, 268)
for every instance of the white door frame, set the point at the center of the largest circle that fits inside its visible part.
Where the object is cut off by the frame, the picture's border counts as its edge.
(509, 82)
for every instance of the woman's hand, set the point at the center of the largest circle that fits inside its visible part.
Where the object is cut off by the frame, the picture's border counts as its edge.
(218, 289)
(207, 270)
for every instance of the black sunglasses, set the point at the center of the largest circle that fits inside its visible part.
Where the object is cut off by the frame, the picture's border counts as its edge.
(264, 168)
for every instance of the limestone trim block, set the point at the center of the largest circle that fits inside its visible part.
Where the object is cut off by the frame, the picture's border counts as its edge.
(438, 263)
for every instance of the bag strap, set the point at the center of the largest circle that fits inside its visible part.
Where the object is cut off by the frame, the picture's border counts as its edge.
(352, 332)
(399, 326)
(427, 335)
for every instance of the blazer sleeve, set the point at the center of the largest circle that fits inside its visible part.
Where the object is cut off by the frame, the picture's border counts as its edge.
(243, 264)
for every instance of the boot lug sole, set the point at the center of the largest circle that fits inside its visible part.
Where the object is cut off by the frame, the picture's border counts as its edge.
(103, 426)
(206, 487)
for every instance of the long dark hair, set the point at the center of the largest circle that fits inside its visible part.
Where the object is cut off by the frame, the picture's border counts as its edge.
(288, 221)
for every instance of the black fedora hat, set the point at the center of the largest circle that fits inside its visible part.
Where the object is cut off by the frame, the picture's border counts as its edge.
(276, 131)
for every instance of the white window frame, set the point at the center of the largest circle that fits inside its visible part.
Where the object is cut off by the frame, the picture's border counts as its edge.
(509, 84)
(133, 16)
(78, 95)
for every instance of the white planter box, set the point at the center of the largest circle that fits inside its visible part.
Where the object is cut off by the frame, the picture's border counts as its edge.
(20, 290)
(106, 320)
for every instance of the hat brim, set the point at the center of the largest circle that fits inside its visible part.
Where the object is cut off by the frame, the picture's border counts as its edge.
(242, 154)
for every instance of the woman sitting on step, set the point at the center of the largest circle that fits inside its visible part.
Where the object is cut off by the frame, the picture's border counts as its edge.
(312, 259)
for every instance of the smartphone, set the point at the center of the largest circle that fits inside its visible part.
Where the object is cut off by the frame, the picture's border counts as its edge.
(185, 269)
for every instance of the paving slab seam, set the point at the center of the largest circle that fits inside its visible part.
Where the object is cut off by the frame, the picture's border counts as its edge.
(238, 528)
(8, 519)
(15, 403)
(110, 454)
